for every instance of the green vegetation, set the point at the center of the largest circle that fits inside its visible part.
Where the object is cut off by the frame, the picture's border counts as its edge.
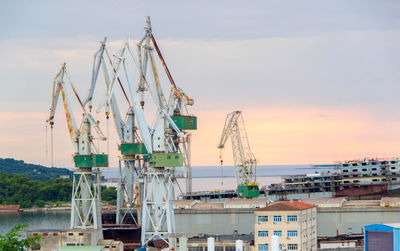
(109, 195)
(14, 240)
(18, 189)
(32, 171)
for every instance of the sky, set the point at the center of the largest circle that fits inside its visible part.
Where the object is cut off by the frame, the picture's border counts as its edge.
(317, 81)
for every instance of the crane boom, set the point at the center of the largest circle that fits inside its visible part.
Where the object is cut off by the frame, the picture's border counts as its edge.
(244, 160)
(58, 87)
(85, 199)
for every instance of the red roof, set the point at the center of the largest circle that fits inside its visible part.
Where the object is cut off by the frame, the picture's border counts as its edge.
(287, 205)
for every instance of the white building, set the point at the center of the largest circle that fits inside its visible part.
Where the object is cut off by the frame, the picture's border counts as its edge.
(293, 221)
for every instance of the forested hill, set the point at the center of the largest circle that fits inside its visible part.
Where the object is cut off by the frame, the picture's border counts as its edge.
(31, 171)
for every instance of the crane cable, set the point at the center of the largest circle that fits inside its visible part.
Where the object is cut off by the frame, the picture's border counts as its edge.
(51, 143)
(47, 151)
(108, 128)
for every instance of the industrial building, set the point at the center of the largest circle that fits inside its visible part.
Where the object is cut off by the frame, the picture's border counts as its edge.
(382, 237)
(74, 239)
(293, 221)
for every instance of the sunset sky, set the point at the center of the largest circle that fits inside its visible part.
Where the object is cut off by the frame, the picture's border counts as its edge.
(317, 81)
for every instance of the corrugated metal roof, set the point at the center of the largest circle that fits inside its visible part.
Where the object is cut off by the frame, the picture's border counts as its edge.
(390, 199)
(246, 201)
(214, 205)
(362, 203)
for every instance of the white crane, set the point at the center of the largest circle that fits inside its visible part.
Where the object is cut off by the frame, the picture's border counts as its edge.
(85, 205)
(157, 209)
(171, 144)
(131, 147)
(177, 105)
(245, 161)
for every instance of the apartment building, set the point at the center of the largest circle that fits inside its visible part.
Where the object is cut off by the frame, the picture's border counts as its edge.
(293, 221)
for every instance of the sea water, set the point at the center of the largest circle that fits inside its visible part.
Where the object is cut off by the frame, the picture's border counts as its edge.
(205, 178)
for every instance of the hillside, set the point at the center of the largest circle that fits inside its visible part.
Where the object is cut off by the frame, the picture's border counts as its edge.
(31, 171)
(18, 189)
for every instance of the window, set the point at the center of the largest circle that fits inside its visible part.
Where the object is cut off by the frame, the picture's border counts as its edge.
(292, 246)
(393, 167)
(354, 164)
(364, 169)
(232, 248)
(262, 246)
(262, 233)
(292, 233)
(277, 218)
(278, 233)
(345, 171)
(374, 169)
(262, 218)
(195, 248)
(291, 218)
(219, 248)
(355, 170)
(345, 164)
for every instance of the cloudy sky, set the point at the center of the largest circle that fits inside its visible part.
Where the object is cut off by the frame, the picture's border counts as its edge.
(317, 81)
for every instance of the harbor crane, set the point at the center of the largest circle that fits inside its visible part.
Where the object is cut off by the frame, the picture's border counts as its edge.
(85, 204)
(133, 151)
(157, 220)
(170, 142)
(177, 105)
(245, 161)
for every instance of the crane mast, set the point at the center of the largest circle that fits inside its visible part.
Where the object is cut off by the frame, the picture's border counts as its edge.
(169, 139)
(85, 204)
(244, 160)
(133, 151)
(151, 155)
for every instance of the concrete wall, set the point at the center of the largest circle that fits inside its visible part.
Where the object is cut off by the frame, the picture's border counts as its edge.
(214, 222)
(345, 220)
(329, 220)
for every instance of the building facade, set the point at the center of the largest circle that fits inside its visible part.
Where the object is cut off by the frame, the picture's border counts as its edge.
(293, 221)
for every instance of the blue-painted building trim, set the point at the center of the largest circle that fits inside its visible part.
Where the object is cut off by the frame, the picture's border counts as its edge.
(383, 228)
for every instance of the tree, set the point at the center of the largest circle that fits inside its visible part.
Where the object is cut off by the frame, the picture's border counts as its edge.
(14, 240)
